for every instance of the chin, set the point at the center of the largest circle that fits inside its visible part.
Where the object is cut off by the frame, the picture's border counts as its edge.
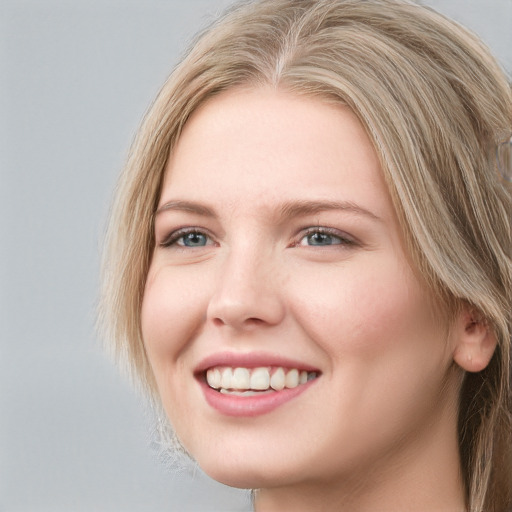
(246, 477)
(253, 469)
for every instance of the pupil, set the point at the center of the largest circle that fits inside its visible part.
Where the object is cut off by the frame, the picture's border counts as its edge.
(194, 239)
(320, 239)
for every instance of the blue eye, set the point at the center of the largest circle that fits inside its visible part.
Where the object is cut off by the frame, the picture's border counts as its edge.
(193, 240)
(319, 238)
(323, 237)
(187, 238)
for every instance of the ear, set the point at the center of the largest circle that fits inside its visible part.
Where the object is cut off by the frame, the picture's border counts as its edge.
(474, 340)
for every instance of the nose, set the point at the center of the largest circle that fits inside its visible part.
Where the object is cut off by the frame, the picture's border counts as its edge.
(248, 292)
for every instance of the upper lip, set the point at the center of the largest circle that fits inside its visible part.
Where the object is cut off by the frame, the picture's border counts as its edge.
(251, 360)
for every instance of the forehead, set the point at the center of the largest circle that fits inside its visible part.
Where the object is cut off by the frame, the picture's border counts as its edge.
(264, 145)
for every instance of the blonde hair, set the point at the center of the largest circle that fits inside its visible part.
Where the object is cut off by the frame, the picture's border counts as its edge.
(434, 103)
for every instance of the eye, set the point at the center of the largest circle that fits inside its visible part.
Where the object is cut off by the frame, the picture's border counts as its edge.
(187, 238)
(193, 240)
(323, 237)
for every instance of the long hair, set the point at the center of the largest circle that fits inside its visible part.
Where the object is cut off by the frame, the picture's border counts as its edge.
(435, 104)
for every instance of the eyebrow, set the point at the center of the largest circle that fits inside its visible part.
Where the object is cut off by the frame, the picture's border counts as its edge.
(287, 210)
(186, 206)
(302, 208)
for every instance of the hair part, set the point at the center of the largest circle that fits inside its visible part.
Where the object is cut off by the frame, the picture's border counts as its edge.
(434, 103)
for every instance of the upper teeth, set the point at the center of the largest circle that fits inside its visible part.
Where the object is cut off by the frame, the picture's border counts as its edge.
(257, 379)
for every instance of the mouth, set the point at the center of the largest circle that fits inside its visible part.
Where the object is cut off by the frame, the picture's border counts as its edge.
(252, 384)
(241, 381)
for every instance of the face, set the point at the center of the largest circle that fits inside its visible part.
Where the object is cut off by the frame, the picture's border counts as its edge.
(289, 337)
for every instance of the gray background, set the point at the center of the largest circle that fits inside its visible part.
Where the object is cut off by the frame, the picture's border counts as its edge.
(75, 79)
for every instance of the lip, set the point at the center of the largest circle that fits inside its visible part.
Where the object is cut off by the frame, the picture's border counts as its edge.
(251, 360)
(250, 406)
(232, 405)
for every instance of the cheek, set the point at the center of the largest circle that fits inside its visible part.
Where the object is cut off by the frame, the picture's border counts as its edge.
(387, 353)
(173, 312)
(367, 311)
(173, 309)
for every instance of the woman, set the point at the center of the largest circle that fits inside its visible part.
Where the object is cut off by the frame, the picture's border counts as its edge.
(308, 260)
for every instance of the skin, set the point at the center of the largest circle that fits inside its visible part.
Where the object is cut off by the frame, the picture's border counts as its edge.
(377, 429)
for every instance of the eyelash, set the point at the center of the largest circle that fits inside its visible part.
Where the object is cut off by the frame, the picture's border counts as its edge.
(341, 239)
(173, 238)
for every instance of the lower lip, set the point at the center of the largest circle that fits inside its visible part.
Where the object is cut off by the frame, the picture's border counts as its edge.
(233, 405)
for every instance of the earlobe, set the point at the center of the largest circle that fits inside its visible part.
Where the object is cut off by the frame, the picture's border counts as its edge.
(475, 341)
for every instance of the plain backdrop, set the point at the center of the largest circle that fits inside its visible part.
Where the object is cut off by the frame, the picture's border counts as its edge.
(75, 79)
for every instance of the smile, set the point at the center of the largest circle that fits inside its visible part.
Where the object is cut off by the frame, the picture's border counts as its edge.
(254, 383)
(242, 381)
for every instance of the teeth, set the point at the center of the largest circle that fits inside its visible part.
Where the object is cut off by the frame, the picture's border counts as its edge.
(277, 380)
(260, 379)
(241, 379)
(246, 393)
(227, 375)
(248, 382)
(214, 378)
(292, 379)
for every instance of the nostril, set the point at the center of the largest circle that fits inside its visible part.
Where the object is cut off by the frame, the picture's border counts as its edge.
(255, 321)
(218, 322)
(246, 323)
